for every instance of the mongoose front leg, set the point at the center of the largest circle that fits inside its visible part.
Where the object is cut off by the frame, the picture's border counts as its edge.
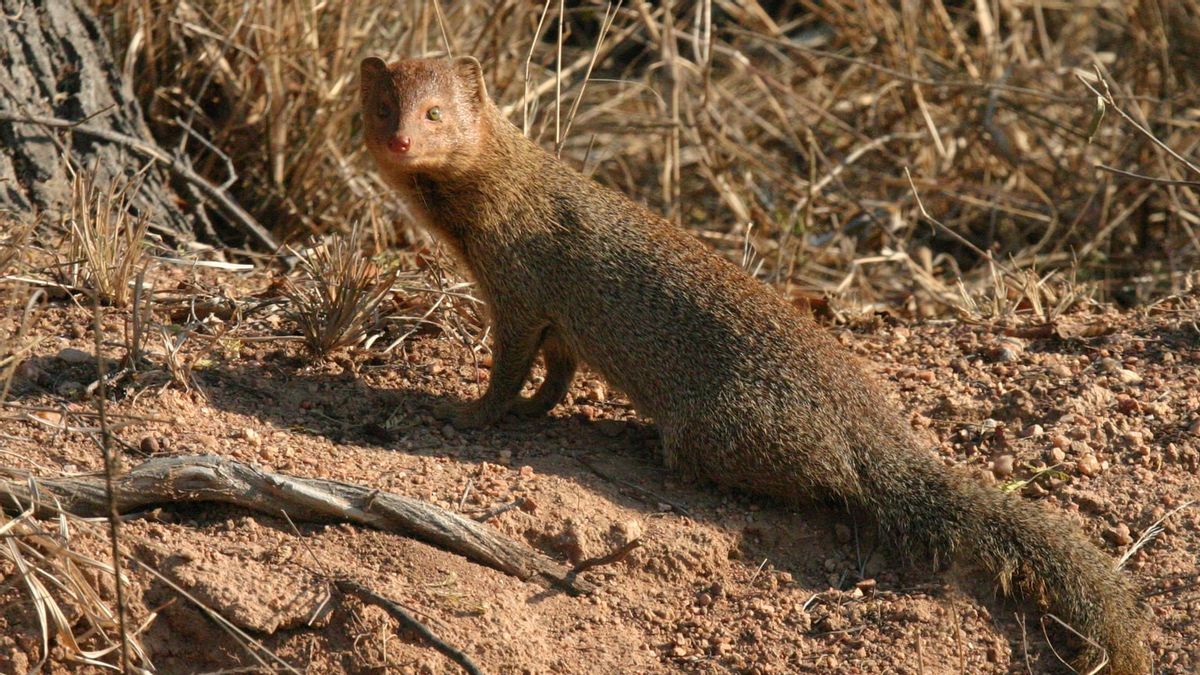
(560, 371)
(512, 358)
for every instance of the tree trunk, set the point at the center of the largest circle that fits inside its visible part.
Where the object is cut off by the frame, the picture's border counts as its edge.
(56, 63)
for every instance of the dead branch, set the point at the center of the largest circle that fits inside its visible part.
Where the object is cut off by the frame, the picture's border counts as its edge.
(209, 478)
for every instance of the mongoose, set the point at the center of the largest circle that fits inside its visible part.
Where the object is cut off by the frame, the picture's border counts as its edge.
(745, 389)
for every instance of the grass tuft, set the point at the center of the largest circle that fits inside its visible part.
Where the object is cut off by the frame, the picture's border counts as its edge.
(106, 242)
(336, 298)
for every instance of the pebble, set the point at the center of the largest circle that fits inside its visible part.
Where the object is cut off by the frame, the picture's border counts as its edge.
(1056, 455)
(449, 432)
(1088, 465)
(149, 445)
(1002, 466)
(252, 437)
(1194, 429)
(1032, 431)
(842, 533)
(596, 393)
(1119, 535)
(1128, 376)
(1060, 441)
(504, 457)
(1006, 350)
(72, 355)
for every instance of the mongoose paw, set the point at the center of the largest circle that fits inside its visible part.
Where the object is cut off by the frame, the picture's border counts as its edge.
(471, 415)
(529, 407)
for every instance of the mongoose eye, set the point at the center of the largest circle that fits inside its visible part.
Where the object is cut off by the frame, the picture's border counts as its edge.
(434, 114)
(382, 112)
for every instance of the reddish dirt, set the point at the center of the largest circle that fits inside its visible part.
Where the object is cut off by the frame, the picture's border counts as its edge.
(737, 584)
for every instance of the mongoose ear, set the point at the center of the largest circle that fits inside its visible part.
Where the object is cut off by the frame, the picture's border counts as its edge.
(470, 73)
(371, 71)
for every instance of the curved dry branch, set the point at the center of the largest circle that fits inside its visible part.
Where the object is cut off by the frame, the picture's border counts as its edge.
(209, 478)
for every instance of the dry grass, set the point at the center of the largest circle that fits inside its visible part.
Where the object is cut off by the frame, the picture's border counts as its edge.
(335, 302)
(796, 117)
(105, 241)
(63, 590)
(17, 302)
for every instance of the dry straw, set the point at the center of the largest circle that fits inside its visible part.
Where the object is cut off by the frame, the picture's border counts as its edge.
(105, 240)
(795, 117)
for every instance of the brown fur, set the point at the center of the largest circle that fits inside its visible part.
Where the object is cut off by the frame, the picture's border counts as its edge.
(746, 390)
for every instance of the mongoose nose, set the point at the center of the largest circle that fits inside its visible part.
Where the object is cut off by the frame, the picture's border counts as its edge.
(400, 143)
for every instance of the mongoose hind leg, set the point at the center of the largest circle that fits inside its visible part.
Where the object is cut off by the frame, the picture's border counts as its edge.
(512, 359)
(560, 371)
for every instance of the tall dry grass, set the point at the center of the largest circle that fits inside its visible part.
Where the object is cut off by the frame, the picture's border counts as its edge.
(788, 122)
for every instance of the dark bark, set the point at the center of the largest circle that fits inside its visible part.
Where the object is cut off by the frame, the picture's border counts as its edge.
(55, 62)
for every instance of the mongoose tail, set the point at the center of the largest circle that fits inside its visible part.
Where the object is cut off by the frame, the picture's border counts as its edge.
(917, 501)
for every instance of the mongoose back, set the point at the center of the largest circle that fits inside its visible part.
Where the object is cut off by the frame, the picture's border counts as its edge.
(745, 389)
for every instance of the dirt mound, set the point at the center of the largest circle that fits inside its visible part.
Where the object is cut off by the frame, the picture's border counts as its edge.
(1101, 423)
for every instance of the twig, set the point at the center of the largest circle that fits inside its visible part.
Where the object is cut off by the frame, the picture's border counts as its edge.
(1148, 179)
(408, 621)
(1081, 636)
(615, 556)
(110, 467)
(1108, 98)
(518, 503)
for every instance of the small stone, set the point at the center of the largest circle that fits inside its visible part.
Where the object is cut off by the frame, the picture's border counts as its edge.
(1110, 365)
(1091, 502)
(1060, 441)
(1060, 370)
(1032, 431)
(1080, 448)
(526, 471)
(252, 437)
(504, 457)
(703, 600)
(842, 533)
(927, 376)
(1056, 455)
(448, 431)
(1002, 466)
(1119, 535)
(75, 356)
(867, 586)
(1127, 405)
(1006, 350)
(149, 445)
(1128, 376)
(1194, 429)
(1088, 465)
(596, 393)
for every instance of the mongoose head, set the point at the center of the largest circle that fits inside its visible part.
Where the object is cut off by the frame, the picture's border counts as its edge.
(423, 116)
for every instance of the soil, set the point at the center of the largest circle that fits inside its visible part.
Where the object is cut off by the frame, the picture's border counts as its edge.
(1097, 416)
